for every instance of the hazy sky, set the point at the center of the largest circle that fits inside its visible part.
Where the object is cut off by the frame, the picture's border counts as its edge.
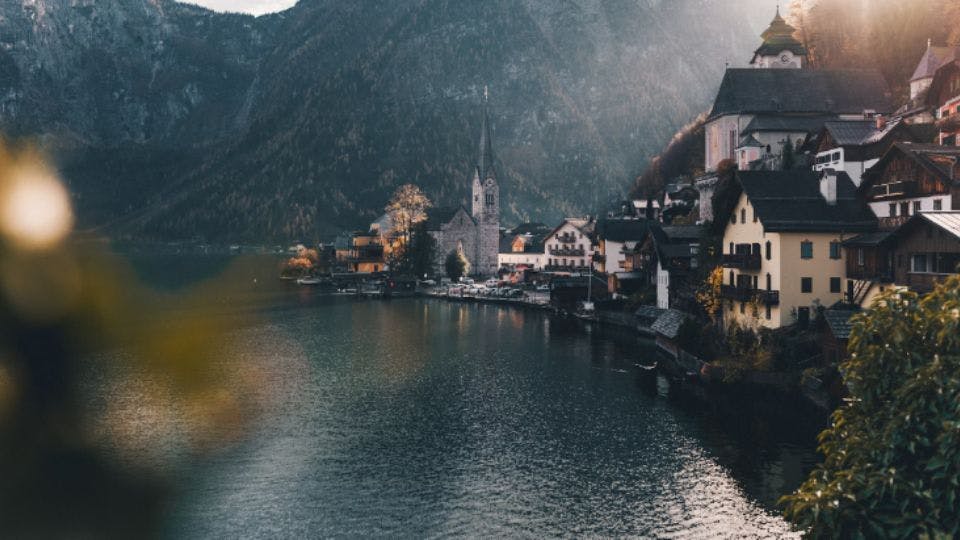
(254, 7)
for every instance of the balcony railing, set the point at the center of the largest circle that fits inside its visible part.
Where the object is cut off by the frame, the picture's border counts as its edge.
(744, 261)
(567, 252)
(905, 188)
(869, 274)
(744, 294)
(566, 238)
(565, 268)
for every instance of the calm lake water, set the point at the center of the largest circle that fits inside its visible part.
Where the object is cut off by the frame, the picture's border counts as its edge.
(424, 418)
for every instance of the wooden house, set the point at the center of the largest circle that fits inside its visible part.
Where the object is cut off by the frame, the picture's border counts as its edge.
(911, 178)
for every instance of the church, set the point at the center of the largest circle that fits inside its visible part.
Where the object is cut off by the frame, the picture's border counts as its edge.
(474, 233)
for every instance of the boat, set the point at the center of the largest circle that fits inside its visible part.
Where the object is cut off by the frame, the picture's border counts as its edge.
(309, 281)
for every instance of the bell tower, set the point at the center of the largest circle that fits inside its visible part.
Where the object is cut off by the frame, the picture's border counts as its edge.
(485, 202)
(780, 49)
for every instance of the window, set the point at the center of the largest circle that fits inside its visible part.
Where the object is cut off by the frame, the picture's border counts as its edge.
(489, 198)
(732, 279)
(938, 204)
(835, 285)
(916, 207)
(806, 249)
(769, 284)
(806, 285)
(755, 215)
(733, 143)
(768, 312)
(768, 250)
(743, 215)
(919, 263)
(836, 156)
(893, 209)
(834, 250)
(860, 257)
(731, 248)
(904, 209)
(803, 316)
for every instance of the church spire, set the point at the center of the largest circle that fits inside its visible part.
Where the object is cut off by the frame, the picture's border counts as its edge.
(485, 159)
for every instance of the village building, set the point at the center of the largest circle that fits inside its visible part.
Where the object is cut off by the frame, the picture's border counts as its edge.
(667, 257)
(366, 254)
(522, 248)
(770, 100)
(782, 255)
(475, 234)
(570, 246)
(917, 109)
(853, 146)
(911, 178)
(943, 97)
(614, 238)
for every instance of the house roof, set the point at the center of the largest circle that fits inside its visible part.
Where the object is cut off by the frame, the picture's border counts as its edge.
(870, 239)
(838, 320)
(585, 225)
(683, 232)
(785, 91)
(438, 217)
(622, 230)
(942, 77)
(790, 201)
(949, 221)
(932, 157)
(485, 158)
(531, 228)
(668, 323)
(932, 60)
(805, 124)
(648, 312)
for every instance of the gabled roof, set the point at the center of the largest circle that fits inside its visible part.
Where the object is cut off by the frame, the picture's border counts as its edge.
(870, 239)
(531, 228)
(942, 77)
(790, 201)
(934, 158)
(948, 221)
(838, 320)
(438, 217)
(805, 124)
(932, 60)
(807, 91)
(668, 323)
(585, 225)
(677, 233)
(622, 230)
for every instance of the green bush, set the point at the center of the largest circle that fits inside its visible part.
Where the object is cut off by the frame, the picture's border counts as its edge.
(892, 452)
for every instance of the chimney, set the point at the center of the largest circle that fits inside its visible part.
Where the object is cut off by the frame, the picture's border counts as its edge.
(828, 186)
(881, 122)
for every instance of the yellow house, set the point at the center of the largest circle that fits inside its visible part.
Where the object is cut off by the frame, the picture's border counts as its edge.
(782, 254)
(367, 253)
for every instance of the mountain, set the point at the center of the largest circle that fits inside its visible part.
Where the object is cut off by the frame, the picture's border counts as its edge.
(171, 121)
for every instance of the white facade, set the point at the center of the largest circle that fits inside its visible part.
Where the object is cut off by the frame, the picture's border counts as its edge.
(835, 159)
(913, 206)
(568, 245)
(663, 287)
(530, 260)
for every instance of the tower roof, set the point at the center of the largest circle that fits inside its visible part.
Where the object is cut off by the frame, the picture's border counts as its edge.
(778, 37)
(485, 159)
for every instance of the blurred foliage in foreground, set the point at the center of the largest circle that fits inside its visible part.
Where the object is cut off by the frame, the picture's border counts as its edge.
(892, 467)
(68, 470)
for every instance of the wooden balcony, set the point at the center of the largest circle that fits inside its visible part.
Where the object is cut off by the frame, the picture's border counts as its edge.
(906, 188)
(744, 294)
(567, 252)
(743, 261)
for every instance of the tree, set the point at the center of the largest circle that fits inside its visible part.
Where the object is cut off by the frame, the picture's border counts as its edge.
(419, 255)
(708, 295)
(892, 452)
(406, 208)
(787, 158)
(456, 265)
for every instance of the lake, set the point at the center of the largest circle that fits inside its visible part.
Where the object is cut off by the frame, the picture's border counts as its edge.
(427, 418)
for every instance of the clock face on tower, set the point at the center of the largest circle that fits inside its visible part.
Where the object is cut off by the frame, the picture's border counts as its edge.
(784, 58)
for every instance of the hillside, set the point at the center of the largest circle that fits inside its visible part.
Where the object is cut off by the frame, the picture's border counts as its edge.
(173, 122)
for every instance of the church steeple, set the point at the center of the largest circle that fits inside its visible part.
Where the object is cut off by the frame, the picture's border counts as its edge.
(780, 49)
(486, 191)
(485, 160)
